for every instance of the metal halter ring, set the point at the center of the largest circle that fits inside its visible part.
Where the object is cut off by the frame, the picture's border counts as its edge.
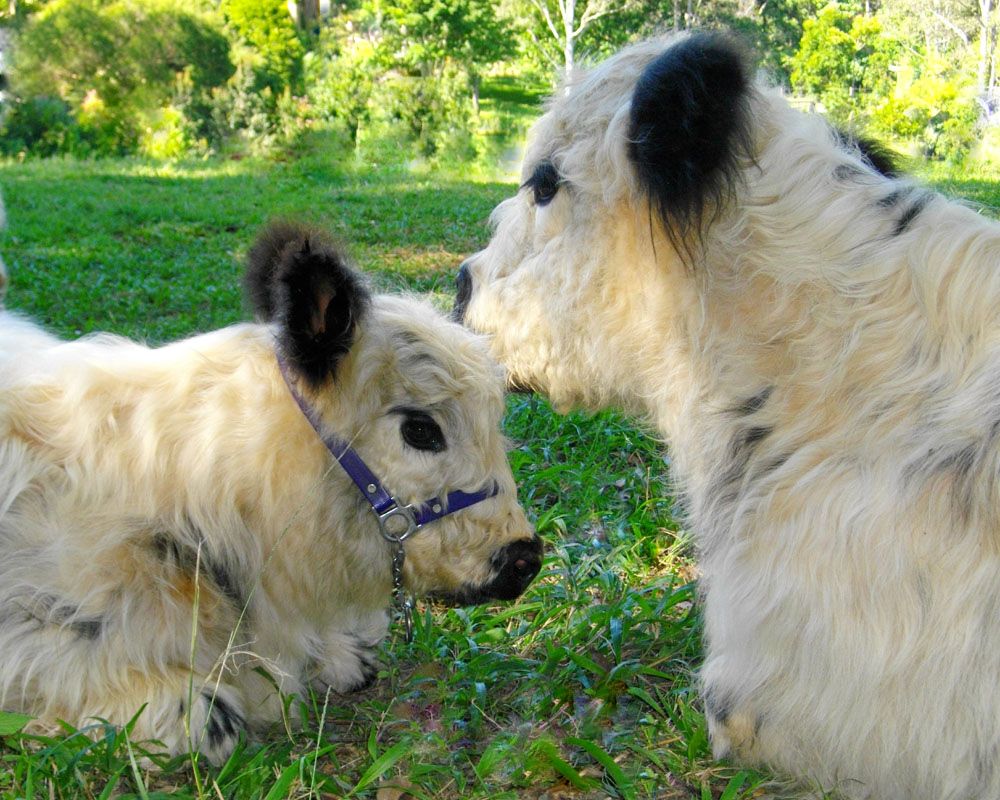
(397, 510)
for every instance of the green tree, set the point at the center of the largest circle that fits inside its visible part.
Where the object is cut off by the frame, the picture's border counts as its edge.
(772, 28)
(406, 70)
(471, 33)
(274, 45)
(557, 30)
(824, 62)
(431, 33)
(892, 80)
(115, 65)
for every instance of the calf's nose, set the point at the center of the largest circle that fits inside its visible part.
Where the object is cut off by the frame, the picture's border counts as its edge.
(517, 565)
(513, 567)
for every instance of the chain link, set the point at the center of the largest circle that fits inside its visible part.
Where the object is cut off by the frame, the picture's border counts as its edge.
(401, 597)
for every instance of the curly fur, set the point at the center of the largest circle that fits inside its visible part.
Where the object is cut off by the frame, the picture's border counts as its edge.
(821, 350)
(151, 496)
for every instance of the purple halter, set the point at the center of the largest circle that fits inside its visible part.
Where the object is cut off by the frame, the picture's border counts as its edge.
(388, 510)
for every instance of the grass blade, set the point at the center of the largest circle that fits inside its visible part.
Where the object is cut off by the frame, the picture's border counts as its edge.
(381, 765)
(611, 768)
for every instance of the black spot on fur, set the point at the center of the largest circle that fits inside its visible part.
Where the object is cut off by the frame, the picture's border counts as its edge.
(226, 582)
(911, 214)
(879, 157)
(961, 462)
(50, 610)
(224, 721)
(755, 403)
(741, 451)
(847, 172)
(718, 705)
(747, 440)
(68, 617)
(86, 628)
(186, 559)
(689, 130)
(169, 550)
(891, 199)
(463, 293)
(296, 276)
(882, 159)
(773, 464)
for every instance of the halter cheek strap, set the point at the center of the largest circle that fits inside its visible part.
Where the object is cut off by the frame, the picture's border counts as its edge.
(397, 521)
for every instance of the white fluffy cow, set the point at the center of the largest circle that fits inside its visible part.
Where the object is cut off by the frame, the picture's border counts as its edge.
(819, 342)
(173, 518)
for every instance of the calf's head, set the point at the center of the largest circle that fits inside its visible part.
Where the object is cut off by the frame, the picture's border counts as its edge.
(419, 400)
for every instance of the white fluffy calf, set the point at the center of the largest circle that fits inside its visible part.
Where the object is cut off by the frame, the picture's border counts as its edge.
(154, 497)
(819, 342)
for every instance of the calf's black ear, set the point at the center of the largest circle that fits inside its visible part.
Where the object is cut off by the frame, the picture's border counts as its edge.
(689, 128)
(298, 278)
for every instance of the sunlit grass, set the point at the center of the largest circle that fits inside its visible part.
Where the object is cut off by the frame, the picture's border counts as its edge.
(582, 689)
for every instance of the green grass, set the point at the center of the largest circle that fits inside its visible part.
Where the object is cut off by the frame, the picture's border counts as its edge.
(581, 689)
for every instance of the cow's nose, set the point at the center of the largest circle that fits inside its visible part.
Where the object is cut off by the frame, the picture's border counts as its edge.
(519, 563)
(463, 292)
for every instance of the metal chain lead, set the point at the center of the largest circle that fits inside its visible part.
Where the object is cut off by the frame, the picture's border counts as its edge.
(401, 596)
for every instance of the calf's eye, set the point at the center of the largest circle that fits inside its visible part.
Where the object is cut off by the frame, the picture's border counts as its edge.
(544, 182)
(421, 432)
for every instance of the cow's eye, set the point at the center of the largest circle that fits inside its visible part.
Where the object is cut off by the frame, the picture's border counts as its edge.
(421, 432)
(544, 183)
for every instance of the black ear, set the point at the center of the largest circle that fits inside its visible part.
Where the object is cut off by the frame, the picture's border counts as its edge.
(689, 129)
(298, 278)
(882, 158)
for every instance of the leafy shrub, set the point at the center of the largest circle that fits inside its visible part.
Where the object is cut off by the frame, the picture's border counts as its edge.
(245, 117)
(275, 50)
(168, 134)
(40, 125)
(117, 64)
(891, 88)
(824, 60)
(388, 99)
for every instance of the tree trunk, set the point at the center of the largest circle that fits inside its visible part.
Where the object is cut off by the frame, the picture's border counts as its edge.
(568, 8)
(307, 14)
(985, 72)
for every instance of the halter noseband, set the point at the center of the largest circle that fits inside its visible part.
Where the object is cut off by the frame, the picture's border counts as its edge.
(388, 510)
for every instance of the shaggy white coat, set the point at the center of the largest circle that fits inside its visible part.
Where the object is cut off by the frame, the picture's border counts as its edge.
(823, 358)
(169, 520)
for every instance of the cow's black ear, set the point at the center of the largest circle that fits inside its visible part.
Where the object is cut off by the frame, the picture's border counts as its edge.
(883, 159)
(296, 277)
(690, 128)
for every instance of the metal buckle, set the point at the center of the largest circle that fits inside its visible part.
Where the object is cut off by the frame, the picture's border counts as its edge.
(397, 510)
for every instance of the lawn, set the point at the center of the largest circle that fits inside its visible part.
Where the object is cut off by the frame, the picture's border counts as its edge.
(581, 689)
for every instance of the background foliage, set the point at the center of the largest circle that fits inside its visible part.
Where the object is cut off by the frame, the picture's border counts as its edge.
(401, 79)
(886, 74)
